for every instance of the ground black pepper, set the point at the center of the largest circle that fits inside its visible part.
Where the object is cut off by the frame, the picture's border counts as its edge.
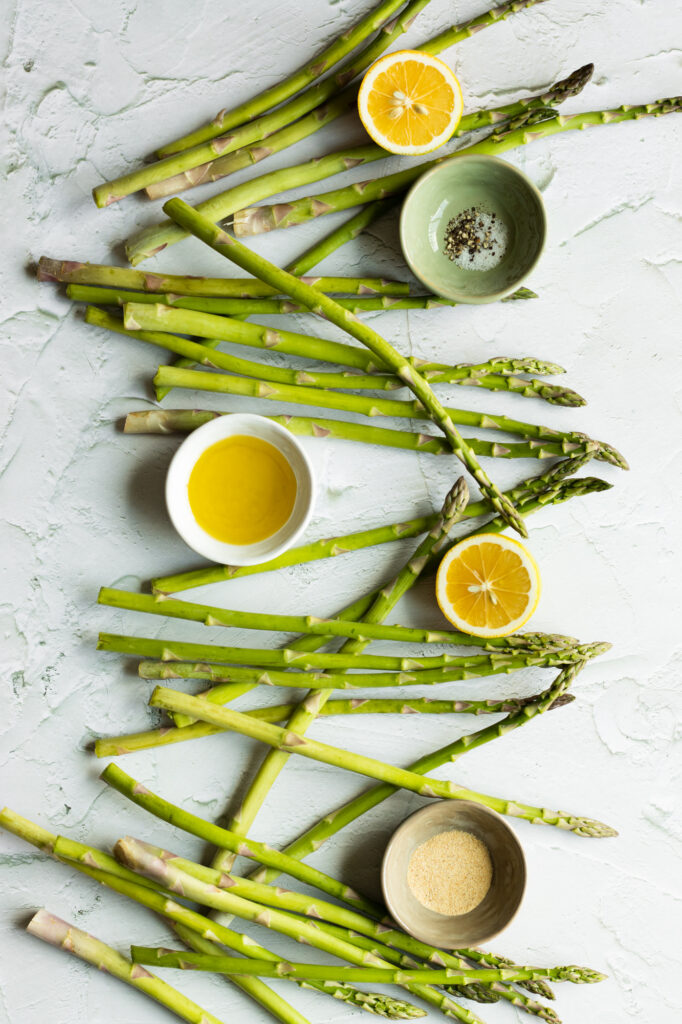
(470, 232)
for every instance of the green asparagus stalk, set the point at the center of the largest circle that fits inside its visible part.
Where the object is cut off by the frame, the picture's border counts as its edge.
(130, 743)
(146, 863)
(317, 252)
(373, 1002)
(490, 993)
(155, 238)
(256, 219)
(66, 936)
(251, 307)
(538, 987)
(225, 383)
(139, 318)
(78, 853)
(281, 739)
(163, 957)
(299, 79)
(529, 491)
(470, 668)
(73, 272)
(174, 652)
(364, 629)
(183, 214)
(264, 307)
(169, 421)
(332, 823)
(192, 165)
(270, 1000)
(221, 164)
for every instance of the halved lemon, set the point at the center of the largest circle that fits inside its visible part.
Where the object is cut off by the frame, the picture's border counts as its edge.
(488, 585)
(410, 102)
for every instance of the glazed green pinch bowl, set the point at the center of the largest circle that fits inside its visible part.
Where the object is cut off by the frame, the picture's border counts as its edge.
(491, 187)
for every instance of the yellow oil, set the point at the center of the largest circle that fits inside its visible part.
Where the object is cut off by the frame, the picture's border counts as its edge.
(242, 490)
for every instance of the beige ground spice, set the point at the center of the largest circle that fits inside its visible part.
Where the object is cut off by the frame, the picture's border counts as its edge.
(450, 873)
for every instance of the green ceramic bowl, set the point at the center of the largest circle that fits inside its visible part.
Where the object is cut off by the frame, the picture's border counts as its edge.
(511, 209)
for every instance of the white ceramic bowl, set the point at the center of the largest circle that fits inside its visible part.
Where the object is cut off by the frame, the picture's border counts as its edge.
(183, 462)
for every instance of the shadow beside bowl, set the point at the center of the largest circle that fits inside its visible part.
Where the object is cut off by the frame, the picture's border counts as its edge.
(498, 906)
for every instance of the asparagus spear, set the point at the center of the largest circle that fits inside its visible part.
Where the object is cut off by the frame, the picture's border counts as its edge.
(255, 219)
(299, 79)
(163, 957)
(490, 993)
(326, 307)
(470, 668)
(173, 651)
(179, 171)
(170, 421)
(529, 493)
(103, 867)
(80, 854)
(156, 237)
(320, 250)
(166, 735)
(364, 629)
(86, 947)
(146, 863)
(293, 743)
(373, 1002)
(74, 272)
(224, 383)
(269, 307)
(139, 317)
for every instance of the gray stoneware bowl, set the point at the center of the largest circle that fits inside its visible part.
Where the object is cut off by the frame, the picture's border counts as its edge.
(496, 909)
(455, 185)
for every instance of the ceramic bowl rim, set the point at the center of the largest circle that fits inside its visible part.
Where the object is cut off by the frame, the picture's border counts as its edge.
(454, 294)
(512, 838)
(185, 458)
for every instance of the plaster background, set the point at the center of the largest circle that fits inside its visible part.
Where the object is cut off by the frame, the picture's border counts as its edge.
(89, 88)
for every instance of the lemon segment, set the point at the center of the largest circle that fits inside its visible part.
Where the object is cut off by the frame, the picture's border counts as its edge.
(488, 585)
(410, 102)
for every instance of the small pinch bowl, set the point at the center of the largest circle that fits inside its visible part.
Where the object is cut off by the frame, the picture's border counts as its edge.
(447, 190)
(498, 906)
(183, 462)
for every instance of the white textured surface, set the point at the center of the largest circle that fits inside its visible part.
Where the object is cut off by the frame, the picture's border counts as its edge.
(89, 88)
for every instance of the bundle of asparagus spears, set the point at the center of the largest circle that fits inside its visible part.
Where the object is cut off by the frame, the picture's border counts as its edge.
(353, 929)
(191, 316)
